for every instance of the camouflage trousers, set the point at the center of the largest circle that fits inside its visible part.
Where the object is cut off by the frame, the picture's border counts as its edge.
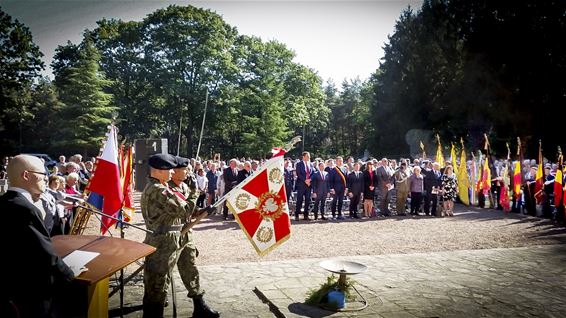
(156, 270)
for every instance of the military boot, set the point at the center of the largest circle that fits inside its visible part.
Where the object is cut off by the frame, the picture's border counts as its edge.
(152, 311)
(201, 309)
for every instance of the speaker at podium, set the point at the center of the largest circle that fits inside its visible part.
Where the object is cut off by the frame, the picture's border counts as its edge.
(143, 149)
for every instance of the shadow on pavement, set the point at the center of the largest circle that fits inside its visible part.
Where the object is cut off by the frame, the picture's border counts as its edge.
(302, 309)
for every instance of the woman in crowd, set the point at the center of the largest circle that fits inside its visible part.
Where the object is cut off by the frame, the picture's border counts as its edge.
(416, 182)
(202, 185)
(449, 190)
(369, 189)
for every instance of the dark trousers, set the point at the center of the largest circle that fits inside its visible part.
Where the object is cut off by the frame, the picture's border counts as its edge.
(416, 199)
(337, 200)
(319, 205)
(384, 201)
(306, 193)
(428, 198)
(200, 200)
(354, 201)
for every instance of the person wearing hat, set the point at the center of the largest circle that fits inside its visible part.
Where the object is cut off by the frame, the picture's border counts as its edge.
(164, 211)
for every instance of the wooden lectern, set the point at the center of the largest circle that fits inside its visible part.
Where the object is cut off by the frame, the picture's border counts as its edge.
(91, 294)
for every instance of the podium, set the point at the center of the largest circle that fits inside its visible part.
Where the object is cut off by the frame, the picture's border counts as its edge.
(89, 295)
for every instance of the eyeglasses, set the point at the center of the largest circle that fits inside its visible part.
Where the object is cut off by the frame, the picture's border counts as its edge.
(42, 173)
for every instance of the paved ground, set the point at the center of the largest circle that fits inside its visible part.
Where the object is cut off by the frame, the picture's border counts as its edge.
(480, 263)
(514, 282)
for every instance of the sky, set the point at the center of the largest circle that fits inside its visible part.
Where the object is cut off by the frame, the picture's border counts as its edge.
(339, 39)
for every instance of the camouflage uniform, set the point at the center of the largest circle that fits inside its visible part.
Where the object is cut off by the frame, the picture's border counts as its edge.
(161, 209)
(189, 190)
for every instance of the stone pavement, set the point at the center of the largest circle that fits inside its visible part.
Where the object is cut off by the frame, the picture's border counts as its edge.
(511, 282)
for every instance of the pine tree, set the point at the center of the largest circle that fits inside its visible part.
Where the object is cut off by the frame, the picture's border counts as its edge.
(87, 111)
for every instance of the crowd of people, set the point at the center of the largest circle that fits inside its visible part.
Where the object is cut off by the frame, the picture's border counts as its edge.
(371, 188)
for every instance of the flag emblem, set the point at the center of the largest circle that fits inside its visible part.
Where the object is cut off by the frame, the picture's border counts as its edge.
(270, 206)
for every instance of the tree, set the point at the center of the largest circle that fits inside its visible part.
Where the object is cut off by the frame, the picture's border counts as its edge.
(20, 64)
(87, 111)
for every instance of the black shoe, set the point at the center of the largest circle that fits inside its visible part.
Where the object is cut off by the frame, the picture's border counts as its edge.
(201, 309)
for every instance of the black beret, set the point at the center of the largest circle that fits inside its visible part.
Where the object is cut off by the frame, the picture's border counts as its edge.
(162, 161)
(182, 162)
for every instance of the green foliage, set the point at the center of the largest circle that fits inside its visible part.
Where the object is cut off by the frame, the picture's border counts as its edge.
(87, 111)
(317, 296)
(20, 64)
(465, 68)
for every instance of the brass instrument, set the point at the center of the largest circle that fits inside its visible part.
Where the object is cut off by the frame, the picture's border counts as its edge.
(80, 220)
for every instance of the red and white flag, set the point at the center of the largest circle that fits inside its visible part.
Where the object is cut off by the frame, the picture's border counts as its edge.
(259, 204)
(104, 186)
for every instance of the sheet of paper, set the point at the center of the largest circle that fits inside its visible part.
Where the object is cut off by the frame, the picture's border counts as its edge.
(78, 259)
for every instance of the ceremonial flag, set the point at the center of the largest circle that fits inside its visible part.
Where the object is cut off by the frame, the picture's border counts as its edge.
(453, 160)
(423, 149)
(474, 180)
(259, 204)
(517, 172)
(517, 180)
(126, 180)
(439, 157)
(104, 186)
(463, 179)
(539, 177)
(504, 199)
(485, 181)
(558, 186)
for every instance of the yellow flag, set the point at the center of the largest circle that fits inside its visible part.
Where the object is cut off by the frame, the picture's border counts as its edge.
(463, 179)
(439, 157)
(453, 159)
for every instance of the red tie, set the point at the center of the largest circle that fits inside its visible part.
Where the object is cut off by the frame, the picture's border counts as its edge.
(322, 174)
(308, 171)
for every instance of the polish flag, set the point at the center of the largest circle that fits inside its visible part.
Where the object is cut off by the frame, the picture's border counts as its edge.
(105, 187)
(259, 204)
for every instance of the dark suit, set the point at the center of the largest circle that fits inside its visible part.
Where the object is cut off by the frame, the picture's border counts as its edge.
(338, 184)
(34, 274)
(303, 190)
(289, 182)
(356, 187)
(432, 178)
(320, 186)
(230, 180)
(383, 178)
(243, 174)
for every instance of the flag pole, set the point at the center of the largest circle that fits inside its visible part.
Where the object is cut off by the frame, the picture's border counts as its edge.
(202, 126)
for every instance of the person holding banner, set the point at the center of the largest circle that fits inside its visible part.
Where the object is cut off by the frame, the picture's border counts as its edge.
(165, 209)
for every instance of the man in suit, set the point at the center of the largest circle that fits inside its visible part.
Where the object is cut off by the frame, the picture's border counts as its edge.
(338, 183)
(230, 175)
(304, 169)
(355, 188)
(244, 173)
(320, 188)
(384, 174)
(432, 183)
(35, 274)
(289, 179)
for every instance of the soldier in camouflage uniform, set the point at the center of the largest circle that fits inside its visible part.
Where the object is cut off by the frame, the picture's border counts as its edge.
(164, 211)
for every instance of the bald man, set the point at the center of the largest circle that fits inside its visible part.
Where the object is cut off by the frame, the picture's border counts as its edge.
(32, 270)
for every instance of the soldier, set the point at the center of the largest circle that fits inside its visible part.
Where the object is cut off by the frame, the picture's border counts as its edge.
(164, 211)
